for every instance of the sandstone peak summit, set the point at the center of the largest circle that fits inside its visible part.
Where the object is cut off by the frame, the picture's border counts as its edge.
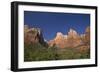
(72, 32)
(59, 35)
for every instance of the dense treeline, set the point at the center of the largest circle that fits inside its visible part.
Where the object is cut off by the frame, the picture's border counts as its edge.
(37, 52)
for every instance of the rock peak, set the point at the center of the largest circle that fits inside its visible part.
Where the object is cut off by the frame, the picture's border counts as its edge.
(59, 34)
(87, 29)
(72, 32)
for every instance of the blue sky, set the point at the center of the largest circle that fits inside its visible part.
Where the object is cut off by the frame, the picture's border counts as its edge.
(51, 23)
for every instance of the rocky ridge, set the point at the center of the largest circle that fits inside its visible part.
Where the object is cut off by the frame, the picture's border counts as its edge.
(72, 40)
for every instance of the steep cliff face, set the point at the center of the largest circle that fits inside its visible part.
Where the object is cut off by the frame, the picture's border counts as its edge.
(33, 35)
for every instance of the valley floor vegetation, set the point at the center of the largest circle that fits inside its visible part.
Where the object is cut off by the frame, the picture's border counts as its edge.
(38, 52)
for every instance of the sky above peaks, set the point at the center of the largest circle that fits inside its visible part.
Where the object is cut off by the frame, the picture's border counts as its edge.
(51, 23)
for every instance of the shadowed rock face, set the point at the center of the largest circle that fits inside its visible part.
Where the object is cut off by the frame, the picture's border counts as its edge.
(72, 40)
(33, 35)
